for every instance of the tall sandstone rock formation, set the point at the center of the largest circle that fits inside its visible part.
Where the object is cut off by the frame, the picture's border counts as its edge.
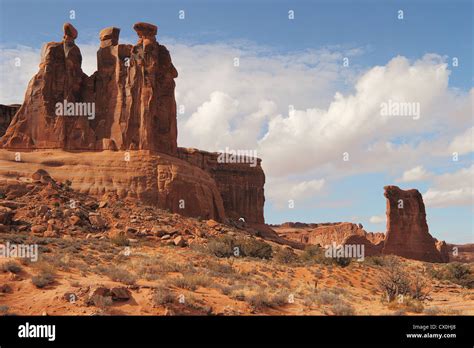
(60, 78)
(407, 230)
(132, 94)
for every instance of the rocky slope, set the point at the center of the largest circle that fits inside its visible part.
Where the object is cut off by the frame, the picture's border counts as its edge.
(117, 256)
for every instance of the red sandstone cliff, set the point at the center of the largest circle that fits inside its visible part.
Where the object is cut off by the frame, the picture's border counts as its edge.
(132, 93)
(240, 184)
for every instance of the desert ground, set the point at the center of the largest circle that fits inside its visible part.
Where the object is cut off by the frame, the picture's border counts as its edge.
(118, 257)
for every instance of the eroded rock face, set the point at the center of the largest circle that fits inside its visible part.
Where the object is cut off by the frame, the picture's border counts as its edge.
(60, 78)
(407, 230)
(6, 115)
(155, 179)
(240, 184)
(132, 94)
(340, 233)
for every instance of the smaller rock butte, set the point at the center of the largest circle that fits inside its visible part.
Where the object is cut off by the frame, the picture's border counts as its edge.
(407, 231)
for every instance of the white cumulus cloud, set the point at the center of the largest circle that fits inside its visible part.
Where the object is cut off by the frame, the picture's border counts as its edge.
(377, 219)
(417, 173)
(452, 189)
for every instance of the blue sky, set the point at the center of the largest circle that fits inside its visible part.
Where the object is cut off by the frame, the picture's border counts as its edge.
(444, 27)
(368, 32)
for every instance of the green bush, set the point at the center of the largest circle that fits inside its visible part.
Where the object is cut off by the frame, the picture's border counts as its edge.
(228, 246)
(256, 248)
(314, 254)
(285, 256)
(222, 246)
(455, 272)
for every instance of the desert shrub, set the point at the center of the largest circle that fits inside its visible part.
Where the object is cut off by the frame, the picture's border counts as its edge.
(228, 246)
(118, 274)
(218, 269)
(161, 296)
(342, 308)
(314, 254)
(222, 246)
(375, 260)
(406, 304)
(455, 272)
(192, 281)
(11, 266)
(441, 311)
(152, 268)
(419, 289)
(342, 261)
(285, 256)
(43, 279)
(46, 274)
(256, 248)
(413, 305)
(395, 281)
(262, 299)
(120, 239)
(238, 295)
(327, 297)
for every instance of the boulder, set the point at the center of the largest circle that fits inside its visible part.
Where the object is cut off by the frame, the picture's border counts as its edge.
(120, 294)
(109, 37)
(179, 241)
(97, 221)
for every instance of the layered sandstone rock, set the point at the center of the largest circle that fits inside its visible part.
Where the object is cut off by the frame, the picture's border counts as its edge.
(134, 93)
(240, 184)
(155, 179)
(407, 230)
(327, 234)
